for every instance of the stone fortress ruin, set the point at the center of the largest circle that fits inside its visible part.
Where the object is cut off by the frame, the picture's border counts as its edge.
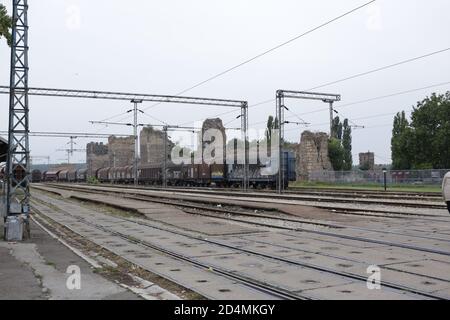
(312, 154)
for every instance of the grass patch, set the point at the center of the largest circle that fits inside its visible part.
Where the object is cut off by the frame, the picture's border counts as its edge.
(368, 186)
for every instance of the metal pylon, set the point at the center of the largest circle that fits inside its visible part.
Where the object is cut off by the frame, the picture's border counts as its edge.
(18, 192)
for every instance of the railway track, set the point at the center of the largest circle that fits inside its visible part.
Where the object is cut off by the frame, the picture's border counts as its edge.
(375, 212)
(234, 215)
(263, 287)
(346, 193)
(429, 203)
(414, 195)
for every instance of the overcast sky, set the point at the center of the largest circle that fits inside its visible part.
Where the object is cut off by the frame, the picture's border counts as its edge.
(163, 47)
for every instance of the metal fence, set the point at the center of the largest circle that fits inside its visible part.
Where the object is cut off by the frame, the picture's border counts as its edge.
(411, 177)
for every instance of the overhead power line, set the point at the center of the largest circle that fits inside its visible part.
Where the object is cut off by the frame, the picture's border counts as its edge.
(272, 49)
(358, 75)
(381, 68)
(394, 94)
(366, 100)
(350, 78)
(277, 47)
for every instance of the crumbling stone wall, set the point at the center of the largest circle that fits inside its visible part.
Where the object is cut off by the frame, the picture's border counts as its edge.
(312, 154)
(152, 146)
(96, 157)
(121, 151)
(214, 124)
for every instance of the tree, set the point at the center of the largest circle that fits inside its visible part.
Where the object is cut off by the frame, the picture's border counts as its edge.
(400, 148)
(347, 145)
(270, 127)
(424, 143)
(5, 24)
(340, 145)
(336, 129)
(336, 154)
(430, 121)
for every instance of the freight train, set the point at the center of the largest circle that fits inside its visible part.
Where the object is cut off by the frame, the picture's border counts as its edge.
(199, 175)
(19, 173)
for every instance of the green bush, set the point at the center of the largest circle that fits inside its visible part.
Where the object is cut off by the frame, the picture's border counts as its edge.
(92, 180)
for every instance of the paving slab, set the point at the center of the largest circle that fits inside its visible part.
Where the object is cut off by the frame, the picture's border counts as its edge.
(289, 277)
(162, 265)
(411, 281)
(36, 270)
(431, 268)
(359, 291)
(347, 255)
(16, 280)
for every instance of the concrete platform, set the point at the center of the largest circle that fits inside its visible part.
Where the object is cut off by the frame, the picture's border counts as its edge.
(36, 270)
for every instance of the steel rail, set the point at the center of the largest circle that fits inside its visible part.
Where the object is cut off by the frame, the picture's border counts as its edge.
(284, 260)
(382, 242)
(255, 284)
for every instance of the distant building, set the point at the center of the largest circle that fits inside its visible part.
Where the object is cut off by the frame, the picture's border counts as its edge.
(367, 161)
(96, 157)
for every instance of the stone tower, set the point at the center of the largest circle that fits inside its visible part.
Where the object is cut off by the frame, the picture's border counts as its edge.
(121, 151)
(367, 161)
(152, 146)
(96, 157)
(214, 124)
(312, 155)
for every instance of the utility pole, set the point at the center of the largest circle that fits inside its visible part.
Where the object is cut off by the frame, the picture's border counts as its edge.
(331, 116)
(244, 134)
(280, 108)
(41, 158)
(136, 140)
(70, 152)
(18, 186)
(114, 164)
(72, 143)
(165, 128)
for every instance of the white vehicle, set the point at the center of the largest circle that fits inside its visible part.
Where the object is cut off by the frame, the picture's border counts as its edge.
(446, 190)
